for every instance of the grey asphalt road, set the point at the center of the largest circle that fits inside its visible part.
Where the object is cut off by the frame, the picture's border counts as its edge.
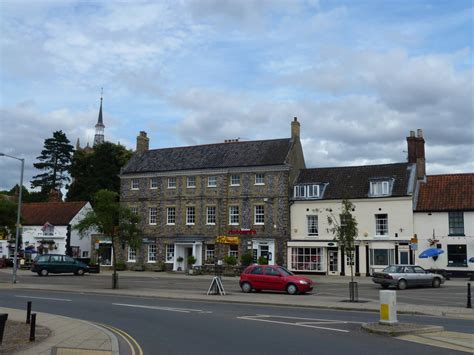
(447, 295)
(186, 327)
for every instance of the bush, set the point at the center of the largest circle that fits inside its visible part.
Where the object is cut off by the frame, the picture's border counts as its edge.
(246, 259)
(262, 260)
(120, 265)
(230, 260)
(179, 259)
(191, 260)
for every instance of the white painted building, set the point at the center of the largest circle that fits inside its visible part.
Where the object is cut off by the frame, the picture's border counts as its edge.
(444, 219)
(383, 207)
(47, 228)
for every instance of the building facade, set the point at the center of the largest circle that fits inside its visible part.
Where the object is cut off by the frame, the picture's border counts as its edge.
(444, 219)
(211, 201)
(382, 196)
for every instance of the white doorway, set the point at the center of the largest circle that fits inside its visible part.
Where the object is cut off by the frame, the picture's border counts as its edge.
(333, 262)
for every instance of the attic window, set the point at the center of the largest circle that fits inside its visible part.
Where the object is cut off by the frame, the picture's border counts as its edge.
(380, 188)
(307, 191)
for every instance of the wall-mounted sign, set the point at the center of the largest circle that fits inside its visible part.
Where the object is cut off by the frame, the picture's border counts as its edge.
(223, 239)
(242, 231)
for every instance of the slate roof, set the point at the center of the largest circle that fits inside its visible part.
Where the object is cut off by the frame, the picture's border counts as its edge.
(56, 213)
(450, 192)
(221, 155)
(354, 181)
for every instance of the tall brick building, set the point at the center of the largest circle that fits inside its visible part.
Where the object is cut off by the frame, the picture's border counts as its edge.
(212, 200)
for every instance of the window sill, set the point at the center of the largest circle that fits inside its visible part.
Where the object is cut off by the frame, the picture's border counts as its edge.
(259, 184)
(152, 224)
(212, 187)
(233, 224)
(134, 189)
(191, 187)
(259, 224)
(171, 188)
(190, 224)
(153, 188)
(456, 235)
(210, 224)
(131, 261)
(231, 185)
(151, 262)
(170, 224)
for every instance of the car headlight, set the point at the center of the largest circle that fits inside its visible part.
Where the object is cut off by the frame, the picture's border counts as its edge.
(303, 282)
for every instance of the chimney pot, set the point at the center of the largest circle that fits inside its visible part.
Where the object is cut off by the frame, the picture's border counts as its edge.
(419, 133)
(412, 133)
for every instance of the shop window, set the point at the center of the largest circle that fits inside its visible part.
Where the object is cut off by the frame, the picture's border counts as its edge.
(306, 259)
(457, 255)
(382, 257)
(456, 223)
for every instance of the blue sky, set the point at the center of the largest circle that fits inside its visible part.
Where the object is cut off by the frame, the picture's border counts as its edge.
(358, 74)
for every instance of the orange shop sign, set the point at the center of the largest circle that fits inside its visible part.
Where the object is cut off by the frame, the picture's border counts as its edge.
(223, 239)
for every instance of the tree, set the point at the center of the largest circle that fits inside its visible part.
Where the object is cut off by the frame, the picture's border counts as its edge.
(112, 220)
(345, 232)
(95, 170)
(8, 216)
(55, 160)
(27, 196)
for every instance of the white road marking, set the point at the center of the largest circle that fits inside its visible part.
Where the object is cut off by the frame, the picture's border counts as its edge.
(45, 298)
(294, 324)
(171, 309)
(309, 319)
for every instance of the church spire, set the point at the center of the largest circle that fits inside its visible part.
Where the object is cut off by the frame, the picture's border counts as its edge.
(99, 127)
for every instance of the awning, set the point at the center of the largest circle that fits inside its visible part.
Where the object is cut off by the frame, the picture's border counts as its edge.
(431, 252)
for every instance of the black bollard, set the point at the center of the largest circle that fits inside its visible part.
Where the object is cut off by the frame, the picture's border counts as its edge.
(28, 312)
(3, 321)
(33, 327)
(469, 305)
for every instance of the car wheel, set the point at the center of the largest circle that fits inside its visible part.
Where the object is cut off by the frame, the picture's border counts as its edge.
(385, 286)
(292, 289)
(44, 272)
(246, 287)
(436, 282)
(80, 272)
(402, 284)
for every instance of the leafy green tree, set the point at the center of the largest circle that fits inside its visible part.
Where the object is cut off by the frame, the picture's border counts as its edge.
(55, 160)
(112, 220)
(95, 170)
(27, 196)
(8, 215)
(345, 231)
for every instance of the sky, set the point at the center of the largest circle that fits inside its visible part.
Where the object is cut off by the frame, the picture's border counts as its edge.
(359, 75)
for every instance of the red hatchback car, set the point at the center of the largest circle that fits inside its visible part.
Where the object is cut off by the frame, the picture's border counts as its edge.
(275, 278)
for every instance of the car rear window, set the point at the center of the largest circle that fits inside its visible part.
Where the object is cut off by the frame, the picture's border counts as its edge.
(257, 270)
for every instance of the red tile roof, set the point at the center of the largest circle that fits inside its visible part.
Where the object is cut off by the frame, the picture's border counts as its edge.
(448, 192)
(56, 213)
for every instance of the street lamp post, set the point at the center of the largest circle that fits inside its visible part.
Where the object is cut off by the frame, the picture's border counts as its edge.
(15, 255)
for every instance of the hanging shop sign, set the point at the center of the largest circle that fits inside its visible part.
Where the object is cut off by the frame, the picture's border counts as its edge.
(223, 239)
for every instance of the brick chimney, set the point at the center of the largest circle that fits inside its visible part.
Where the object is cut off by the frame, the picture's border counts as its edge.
(55, 196)
(295, 129)
(416, 152)
(142, 142)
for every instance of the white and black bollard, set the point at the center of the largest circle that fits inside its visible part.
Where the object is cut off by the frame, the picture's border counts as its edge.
(388, 307)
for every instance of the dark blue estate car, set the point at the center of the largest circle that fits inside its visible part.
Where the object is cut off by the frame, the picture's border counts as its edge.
(57, 264)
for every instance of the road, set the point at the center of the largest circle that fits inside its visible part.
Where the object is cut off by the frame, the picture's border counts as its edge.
(447, 295)
(182, 327)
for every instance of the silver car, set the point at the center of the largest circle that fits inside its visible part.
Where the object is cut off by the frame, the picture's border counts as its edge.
(403, 276)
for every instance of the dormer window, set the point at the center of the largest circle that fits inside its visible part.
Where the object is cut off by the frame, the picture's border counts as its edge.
(307, 191)
(380, 188)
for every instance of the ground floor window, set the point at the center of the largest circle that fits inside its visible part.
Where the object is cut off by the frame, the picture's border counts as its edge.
(210, 253)
(151, 253)
(382, 257)
(169, 252)
(105, 254)
(306, 259)
(132, 254)
(457, 255)
(234, 251)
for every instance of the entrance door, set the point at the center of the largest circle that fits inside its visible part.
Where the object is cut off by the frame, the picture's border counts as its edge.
(332, 262)
(403, 257)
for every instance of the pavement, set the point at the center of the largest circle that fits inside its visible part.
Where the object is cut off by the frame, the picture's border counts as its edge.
(80, 335)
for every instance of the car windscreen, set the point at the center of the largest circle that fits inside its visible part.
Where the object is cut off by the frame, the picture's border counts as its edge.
(284, 271)
(393, 269)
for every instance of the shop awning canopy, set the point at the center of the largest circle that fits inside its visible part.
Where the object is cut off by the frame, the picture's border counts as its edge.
(471, 260)
(431, 252)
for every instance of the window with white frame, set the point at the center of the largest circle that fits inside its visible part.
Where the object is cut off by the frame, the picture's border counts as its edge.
(191, 182)
(154, 183)
(312, 224)
(381, 224)
(212, 181)
(210, 253)
(153, 215)
(48, 229)
(132, 254)
(259, 214)
(211, 215)
(379, 188)
(85, 254)
(307, 259)
(172, 182)
(259, 179)
(234, 180)
(190, 215)
(306, 191)
(234, 250)
(170, 215)
(169, 252)
(152, 253)
(135, 184)
(234, 215)
(382, 257)
(134, 209)
(456, 223)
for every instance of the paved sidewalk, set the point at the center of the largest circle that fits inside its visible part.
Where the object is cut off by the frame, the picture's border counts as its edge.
(68, 336)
